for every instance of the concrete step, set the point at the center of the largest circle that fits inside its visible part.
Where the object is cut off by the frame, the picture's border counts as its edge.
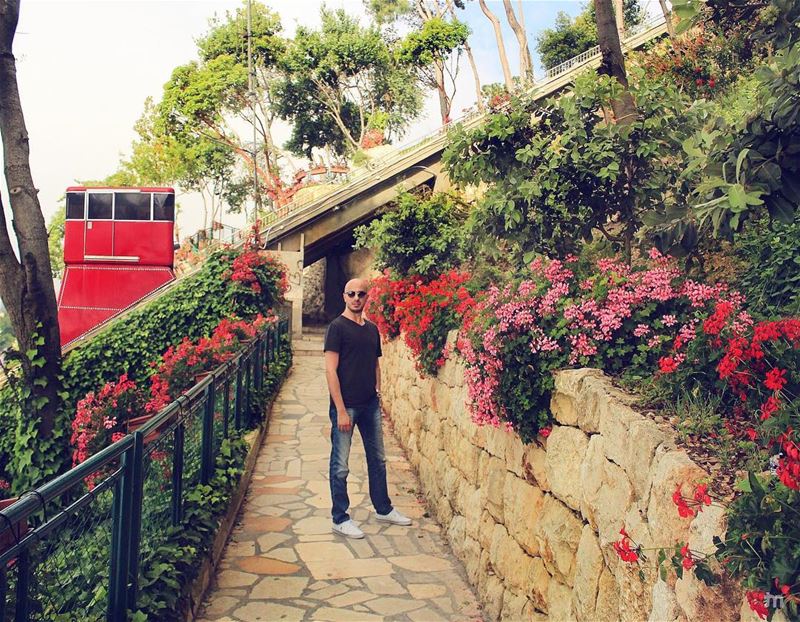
(307, 345)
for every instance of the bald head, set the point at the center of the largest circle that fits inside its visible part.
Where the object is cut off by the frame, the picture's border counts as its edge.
(356, 285)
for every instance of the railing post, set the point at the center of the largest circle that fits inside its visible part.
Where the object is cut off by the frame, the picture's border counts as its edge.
(137, 497)
(23, 585)
(226, 405)
(120, 539)
(207, 439)
(237, 412)
(177, 473)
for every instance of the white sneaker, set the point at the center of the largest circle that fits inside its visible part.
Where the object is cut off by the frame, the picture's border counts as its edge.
(348, 529)
(394, 517)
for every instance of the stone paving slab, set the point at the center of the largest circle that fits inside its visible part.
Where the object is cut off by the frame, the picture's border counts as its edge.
(283, 562)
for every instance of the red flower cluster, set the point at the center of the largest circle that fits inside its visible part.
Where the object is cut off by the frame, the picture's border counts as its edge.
(428, 312)
(689, 507)
(757, 601)
(623, 548)
(179, 366)
(422, 311)
(100, 419)
(372, 138)
(789, 464)
(688, 561)
(243, 269)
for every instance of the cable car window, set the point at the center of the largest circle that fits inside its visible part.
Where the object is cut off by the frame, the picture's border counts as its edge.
(164, 207)
(75, 205)
(100, 206)
(132, 206)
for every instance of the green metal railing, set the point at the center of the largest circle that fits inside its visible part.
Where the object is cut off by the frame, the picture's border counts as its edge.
(80, 558)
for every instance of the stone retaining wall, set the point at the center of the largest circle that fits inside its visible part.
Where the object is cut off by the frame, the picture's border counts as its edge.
(534, 524)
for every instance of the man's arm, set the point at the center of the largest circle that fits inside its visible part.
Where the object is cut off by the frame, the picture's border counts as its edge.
(378, 377)
(331, 365)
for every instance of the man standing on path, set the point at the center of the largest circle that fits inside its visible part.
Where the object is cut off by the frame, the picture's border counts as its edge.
(352, 368)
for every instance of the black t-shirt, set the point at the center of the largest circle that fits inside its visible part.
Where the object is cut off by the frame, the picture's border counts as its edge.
(359, 348)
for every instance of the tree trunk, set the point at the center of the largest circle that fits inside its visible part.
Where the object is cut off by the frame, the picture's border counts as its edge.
(26, 285)
(474, 66)
(525, 63)
(444, 100)
(501, 46)
(613, 61)
(668, 18)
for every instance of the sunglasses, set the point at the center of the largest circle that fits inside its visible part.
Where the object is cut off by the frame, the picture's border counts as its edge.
(351, 294)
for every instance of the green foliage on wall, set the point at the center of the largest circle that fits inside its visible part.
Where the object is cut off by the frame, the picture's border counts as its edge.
(416, 236)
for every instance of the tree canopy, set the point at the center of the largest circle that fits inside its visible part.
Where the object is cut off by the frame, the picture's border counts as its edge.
(339, 82)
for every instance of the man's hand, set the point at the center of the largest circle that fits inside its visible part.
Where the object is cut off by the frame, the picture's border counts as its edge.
(343, 421)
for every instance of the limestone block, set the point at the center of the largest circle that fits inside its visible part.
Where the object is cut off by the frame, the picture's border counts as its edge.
(443, 509)
(644, 437)
(534, 461)
(486, 530)
(483, 466)
(459, 501)
(493, 599)
(668, 469)
(538, 584)
(473, 508)
(607, 608)
(510, 562)
(472, 559)
(522, 506)
(485, 571)
(563, 408)
(513, 606)
(566, 448)
(441, 397)
(634, 594)
(615, 421)
(707, 524)
(456, 535)
(665, 605)
(697, 601)
(495, 441)
(558, 535)
(607, 493)
(494, 483)
(559, 602)
(442, 467)
(583, 386)
(515, 452)
(587, 575)
(452, 480)
(414, 397)
(468, 459)
(427, 444)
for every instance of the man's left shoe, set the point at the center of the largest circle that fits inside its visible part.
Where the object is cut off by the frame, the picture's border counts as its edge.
(394, 517)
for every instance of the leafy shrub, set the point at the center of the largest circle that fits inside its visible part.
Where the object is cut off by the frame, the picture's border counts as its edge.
(559, 173)
(416, 237)
(771, 277)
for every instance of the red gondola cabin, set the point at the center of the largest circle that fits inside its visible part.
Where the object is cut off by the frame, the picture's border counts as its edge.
(118, 247)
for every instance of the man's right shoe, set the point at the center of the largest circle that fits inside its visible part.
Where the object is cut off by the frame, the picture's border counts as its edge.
(348, 529)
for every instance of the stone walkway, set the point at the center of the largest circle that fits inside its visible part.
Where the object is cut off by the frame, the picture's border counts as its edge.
(283, 562)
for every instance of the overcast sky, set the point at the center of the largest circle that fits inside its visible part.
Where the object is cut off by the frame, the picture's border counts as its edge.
(86, 67)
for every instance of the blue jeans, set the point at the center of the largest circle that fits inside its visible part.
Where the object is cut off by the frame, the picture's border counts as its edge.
(368, 421)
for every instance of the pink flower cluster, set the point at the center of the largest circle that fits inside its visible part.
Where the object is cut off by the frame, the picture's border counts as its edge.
(559, 312)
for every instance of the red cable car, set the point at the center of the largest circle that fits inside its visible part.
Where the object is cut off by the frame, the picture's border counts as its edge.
(118, 248)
